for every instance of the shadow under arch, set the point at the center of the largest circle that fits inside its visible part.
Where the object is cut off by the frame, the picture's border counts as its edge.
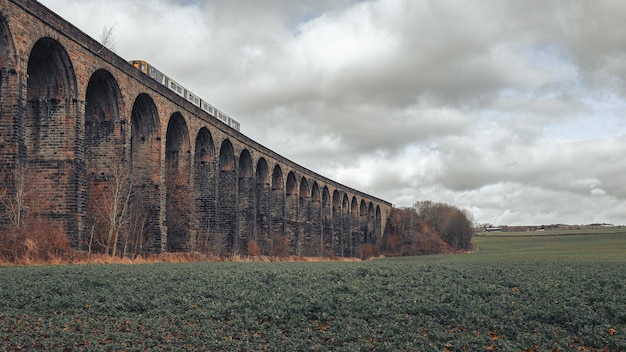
(204, 181)
(226, 201)
(50, 140)
(145, 161)
(246, 199)
(179, 200)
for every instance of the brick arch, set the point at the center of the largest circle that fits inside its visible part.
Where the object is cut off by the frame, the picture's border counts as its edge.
(377, 226)
(291, 187)
(355, 239)
(316, 239)
(345, 226)
(227, 200)
(178, 145)
(277, 209)
(106, 168)
(204, 183)
(50, 71)
(145, 160)
(246, 198)
(327, 223)
(104, 128)
(336, 223)
(363, 222)
(263, 195)
(305, 190)
(303, 245)
(370, 223)
(179, 194)
(227, 156)
(50, 142)
(291, 210)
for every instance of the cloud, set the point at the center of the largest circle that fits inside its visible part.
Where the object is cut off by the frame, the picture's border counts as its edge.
(513, 110)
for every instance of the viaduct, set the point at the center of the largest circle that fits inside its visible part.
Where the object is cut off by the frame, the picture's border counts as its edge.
(75, 114)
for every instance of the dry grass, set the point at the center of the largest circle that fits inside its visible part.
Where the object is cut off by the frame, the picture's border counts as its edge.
(41, 243)
(76, 257)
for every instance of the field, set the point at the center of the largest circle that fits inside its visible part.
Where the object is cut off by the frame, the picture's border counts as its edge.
(521, 293)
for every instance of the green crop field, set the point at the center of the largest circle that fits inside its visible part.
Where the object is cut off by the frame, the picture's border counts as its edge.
(559, 293)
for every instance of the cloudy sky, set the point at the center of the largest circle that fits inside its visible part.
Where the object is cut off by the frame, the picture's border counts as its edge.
(513, 110)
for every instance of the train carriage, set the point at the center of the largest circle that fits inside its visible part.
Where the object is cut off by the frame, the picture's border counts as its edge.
(179, 89)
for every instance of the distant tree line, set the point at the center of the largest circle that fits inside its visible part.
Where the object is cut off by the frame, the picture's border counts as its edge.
(427, 228)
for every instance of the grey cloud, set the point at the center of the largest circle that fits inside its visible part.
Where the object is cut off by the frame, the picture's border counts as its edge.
(509, 108)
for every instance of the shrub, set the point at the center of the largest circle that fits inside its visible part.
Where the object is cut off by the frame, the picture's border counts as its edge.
(38, 241)
(254, 249)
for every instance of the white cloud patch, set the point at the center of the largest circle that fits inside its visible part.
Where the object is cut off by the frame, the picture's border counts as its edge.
(513, 110)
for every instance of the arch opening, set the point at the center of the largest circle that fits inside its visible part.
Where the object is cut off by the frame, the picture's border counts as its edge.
(304, 244)
(346, 244)
(247, 209)
(263, 195)
(291, 213)
(279, 245)
(227, 202)
(204, 183)
(179, 200)
(145, 161)
(50, 141)
(355, 240)
(110, 211)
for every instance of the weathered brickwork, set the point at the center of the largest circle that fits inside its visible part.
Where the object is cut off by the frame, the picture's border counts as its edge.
(72, 110)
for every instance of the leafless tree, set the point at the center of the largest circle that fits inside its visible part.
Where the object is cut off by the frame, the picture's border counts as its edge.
(26, 235)
(19, 185)
(106, 38)
(109, 209)
(180, 205)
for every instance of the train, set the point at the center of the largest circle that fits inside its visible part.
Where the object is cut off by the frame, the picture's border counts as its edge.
(177, 88)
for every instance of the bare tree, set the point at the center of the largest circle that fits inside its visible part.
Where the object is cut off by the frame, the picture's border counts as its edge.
(109, 210)
(106, 37)
(18, 187)
(180, 204)
(26, 235)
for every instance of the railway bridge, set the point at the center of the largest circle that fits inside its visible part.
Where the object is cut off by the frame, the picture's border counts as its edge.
(87, 123)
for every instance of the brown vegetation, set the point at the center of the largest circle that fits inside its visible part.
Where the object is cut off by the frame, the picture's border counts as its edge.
(24, 237)
(428, 228)
(408, 234)
(116, 228)
(116, 224)
(454, 226)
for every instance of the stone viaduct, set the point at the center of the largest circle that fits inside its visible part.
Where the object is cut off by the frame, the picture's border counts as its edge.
(74, 112)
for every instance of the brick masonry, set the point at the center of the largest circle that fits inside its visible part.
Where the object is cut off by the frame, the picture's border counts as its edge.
(71, 108)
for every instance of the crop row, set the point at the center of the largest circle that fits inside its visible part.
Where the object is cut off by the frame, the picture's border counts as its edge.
(376, 305)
